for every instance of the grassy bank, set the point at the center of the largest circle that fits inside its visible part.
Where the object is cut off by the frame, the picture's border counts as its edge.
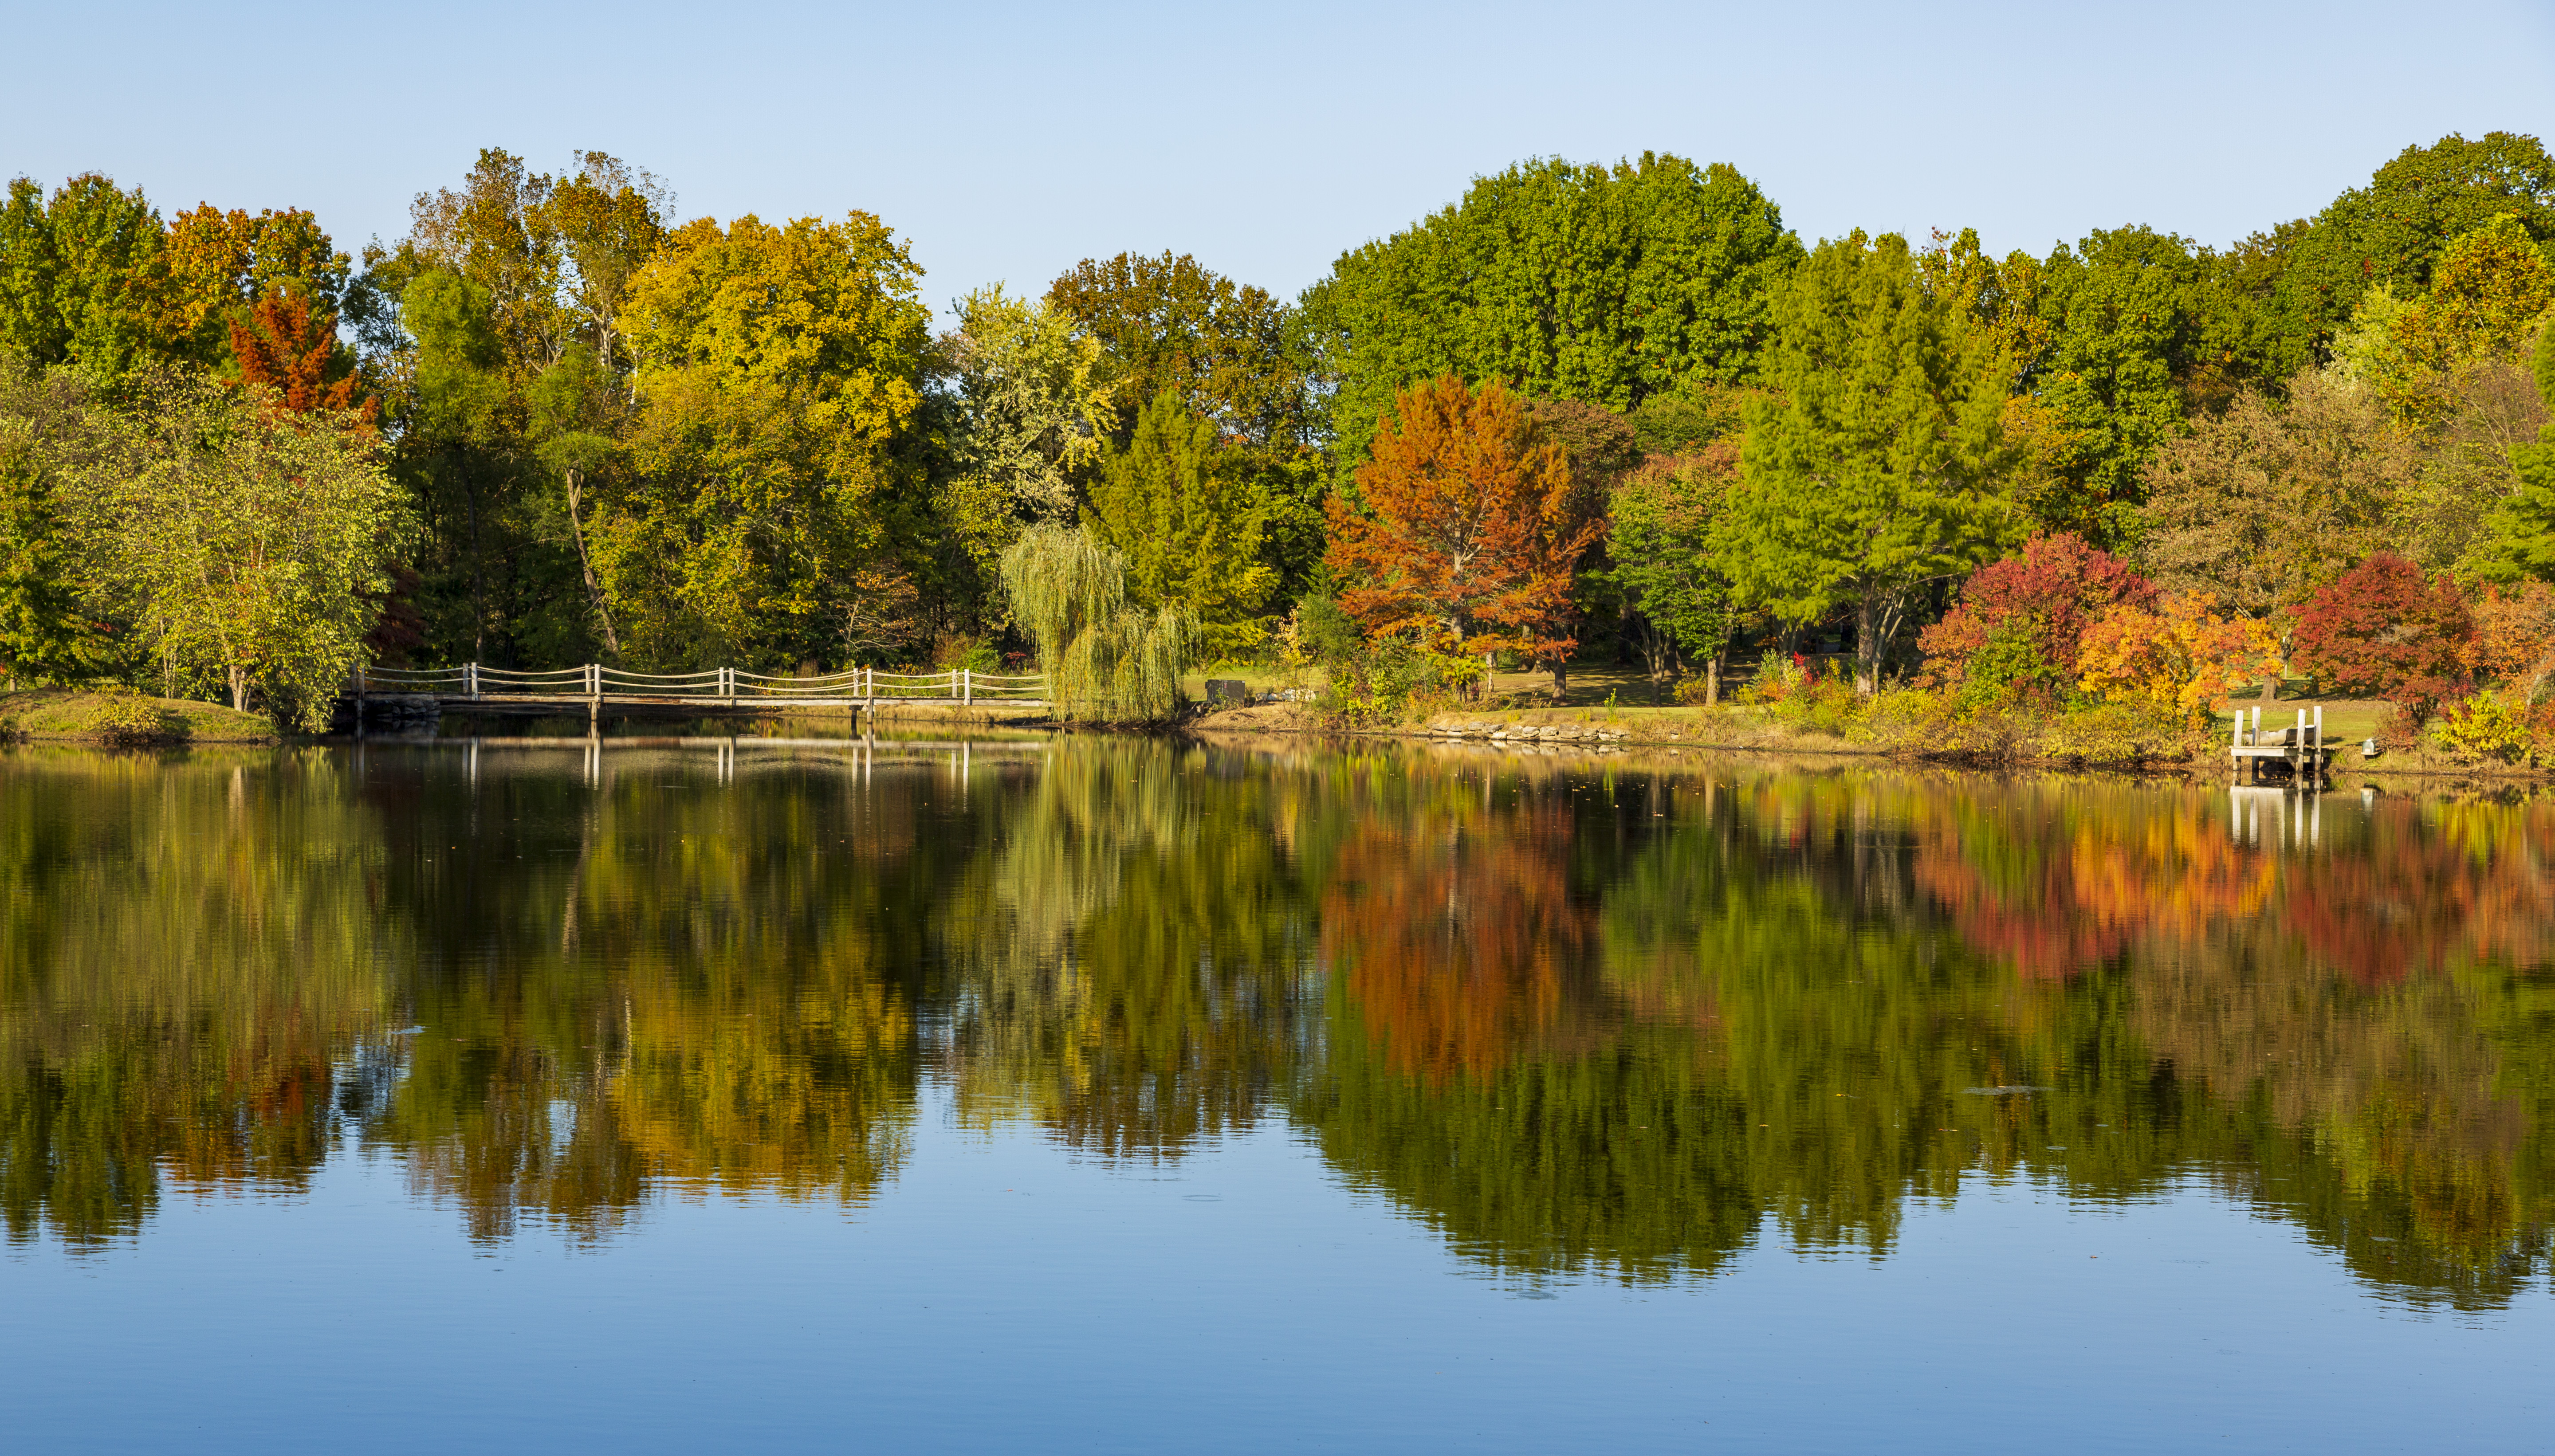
(56, 713)
(1902, 726)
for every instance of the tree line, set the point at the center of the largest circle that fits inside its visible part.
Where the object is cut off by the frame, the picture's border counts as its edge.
(1581, 408)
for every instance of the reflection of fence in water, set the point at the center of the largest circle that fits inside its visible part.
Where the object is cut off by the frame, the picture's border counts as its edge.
(860, 756)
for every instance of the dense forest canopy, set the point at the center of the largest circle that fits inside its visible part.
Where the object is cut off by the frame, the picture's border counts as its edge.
(603, 430)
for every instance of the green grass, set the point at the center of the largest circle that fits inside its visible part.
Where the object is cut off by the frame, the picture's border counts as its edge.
(70, 712)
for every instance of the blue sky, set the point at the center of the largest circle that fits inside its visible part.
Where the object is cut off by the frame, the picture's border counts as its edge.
(1006, 140)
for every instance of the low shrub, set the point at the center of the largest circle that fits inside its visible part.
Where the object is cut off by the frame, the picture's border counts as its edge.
(2117, 733)
(2491, 727)
(1803, 698)
(1391, 681)
(953, 649)
(129, 721)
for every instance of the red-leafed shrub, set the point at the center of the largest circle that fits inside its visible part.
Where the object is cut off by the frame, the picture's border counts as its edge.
(2386, 631)
(2514, 639)
(2040, 602)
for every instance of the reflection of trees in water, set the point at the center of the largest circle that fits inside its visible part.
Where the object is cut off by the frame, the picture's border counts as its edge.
(675, 985)
(1577, 1022)
(1820, 969)
(650, 988)
(185, 953)
(2372, 1012)
(1125, 961)
(1477, 1070)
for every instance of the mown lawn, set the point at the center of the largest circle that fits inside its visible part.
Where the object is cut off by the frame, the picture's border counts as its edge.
(70, 712)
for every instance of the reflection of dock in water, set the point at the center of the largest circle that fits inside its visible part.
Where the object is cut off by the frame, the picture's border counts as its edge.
(2297, 820)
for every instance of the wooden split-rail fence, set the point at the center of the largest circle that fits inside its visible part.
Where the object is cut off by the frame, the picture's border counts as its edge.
(613, 691)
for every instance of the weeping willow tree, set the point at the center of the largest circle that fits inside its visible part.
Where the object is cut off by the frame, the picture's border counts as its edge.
(1104, 660)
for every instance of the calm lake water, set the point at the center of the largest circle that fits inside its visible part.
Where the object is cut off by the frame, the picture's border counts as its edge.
(1108, 1095)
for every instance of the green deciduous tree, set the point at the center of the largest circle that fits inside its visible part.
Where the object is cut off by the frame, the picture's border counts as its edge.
(2491, 289)
(2133, 319)
(45, 435)
(1584, 282)
(2522, 540)
(1034, 415)
(247, 547)
(778, 370)
(1238, 358)
(83, 279)
(2391, 233)
(1881, 469)
(1171, 505)
(1172, 323)
(1661, 557)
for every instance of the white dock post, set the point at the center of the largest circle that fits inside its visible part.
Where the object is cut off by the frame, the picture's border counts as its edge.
(966, 687)
(470, 678)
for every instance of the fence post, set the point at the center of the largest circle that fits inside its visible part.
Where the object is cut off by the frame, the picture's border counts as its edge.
(470, 678)
(966, 687)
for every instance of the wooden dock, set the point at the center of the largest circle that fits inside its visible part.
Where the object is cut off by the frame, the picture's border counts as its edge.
(2300, 750)
(599, 691)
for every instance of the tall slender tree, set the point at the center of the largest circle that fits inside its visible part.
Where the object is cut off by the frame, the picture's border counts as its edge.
(1879, 469)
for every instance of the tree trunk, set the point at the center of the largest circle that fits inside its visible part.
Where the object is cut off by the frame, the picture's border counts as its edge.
(478, 573)
(1712, 682)
(593, 589)
(239, 690)
(1868, 635)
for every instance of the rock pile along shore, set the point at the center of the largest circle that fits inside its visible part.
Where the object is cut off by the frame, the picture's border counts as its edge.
(1524, 733)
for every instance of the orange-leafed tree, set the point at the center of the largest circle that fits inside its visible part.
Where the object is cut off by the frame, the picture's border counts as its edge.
(291, 347)
(1466, 529)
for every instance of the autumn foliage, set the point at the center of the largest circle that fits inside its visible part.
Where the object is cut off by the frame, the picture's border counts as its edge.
(2384, 630)
(1463, 951)
(291, 347)
(2179, 658)
(2050, 595)
(1467, 528)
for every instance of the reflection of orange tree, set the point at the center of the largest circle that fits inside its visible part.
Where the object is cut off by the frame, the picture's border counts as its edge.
(2440, 884)
(2363, 997)
(1457, 937)
(2057, 879)
(2055, 883)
